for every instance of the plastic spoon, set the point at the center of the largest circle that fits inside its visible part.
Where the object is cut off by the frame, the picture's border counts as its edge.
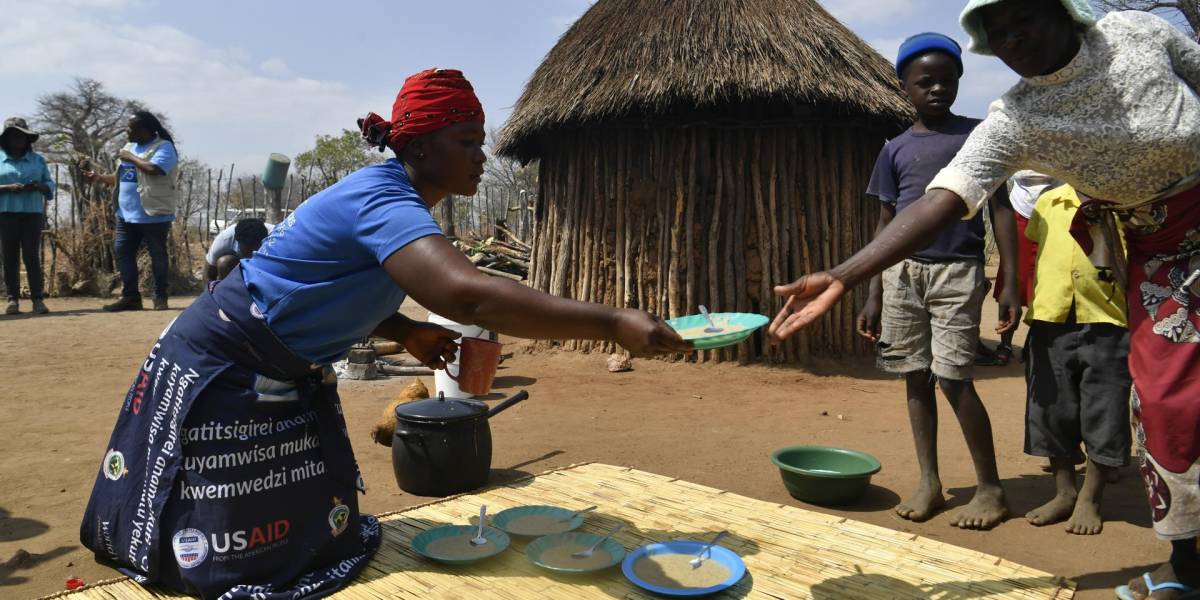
(712, 327)
(588, 553)
(479, 540)
(572, 517)
(695, 562)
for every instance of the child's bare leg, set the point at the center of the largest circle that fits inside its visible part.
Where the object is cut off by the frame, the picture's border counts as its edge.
(1065, 495)
(922, 415)
(988, 507)
(1085, 519)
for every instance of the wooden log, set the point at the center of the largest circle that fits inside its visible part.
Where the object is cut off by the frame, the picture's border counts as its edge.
(785, 230)
(692, 203)
(404, 371)
(764, 237)
(562, 257)
(647, 211)
(730, 238)
(495, 273)
(740, 199)
(590, 228)
(627, 211)
(807, 193)
(621, 292)
(387, 348)
(492, 246)
(675, 228)
(513, 240)
(775, 223)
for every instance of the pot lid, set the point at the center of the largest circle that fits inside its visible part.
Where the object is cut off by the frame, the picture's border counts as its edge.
(441, 409)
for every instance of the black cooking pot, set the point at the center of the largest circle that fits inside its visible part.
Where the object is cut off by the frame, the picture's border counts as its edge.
(443, 445)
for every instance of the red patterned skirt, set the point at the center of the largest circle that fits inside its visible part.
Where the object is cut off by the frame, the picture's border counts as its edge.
(1164, 322)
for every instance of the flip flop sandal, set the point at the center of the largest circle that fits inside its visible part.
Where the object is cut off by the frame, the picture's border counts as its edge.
(1185, 592)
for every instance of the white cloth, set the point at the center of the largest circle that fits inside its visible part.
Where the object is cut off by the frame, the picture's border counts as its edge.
(1121, 122)
(225, 244)
(972, 22)
(1027, 187)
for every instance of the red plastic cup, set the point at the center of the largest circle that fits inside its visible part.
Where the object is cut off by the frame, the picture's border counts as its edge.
(478, 360)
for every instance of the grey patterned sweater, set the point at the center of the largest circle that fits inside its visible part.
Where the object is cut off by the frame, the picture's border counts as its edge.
(1121, 122)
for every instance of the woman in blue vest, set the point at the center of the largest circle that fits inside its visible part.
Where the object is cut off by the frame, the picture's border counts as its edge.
(230, 473)
(145, 180)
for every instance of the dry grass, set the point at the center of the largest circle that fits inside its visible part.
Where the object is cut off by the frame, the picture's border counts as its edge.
(655, 59)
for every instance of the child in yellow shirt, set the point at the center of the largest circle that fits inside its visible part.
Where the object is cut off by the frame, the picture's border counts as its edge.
(1075, 367)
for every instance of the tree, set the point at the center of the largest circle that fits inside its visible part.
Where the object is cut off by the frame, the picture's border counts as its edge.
(1183, 13)
(336, 156)
(509, 179)
(86, 123)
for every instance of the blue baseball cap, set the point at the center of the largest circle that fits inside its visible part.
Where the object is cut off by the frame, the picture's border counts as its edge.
(928, 42)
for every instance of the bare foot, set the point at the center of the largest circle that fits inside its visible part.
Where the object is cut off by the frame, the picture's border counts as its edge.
(1161, 575)
(1054, 511)
(923, 504)
(985, 510)
(1085, 520)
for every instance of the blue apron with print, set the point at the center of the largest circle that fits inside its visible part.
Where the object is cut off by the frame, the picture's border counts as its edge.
(229, 473)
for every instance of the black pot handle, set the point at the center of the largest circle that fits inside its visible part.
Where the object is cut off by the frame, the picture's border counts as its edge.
(521, 395)
(406, 434)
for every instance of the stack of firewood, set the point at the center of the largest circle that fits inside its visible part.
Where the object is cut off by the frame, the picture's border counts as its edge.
(508, 258)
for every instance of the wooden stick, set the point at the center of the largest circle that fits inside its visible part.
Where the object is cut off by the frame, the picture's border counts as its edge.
(513, 239)
(690, 224)
(622, 293)
(496, 273)
(714, 231)
(675, 228)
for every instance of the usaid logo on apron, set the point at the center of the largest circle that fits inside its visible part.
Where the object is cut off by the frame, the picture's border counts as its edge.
(191, 547)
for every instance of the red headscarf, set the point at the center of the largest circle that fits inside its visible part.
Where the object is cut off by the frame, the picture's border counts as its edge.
(429, 101)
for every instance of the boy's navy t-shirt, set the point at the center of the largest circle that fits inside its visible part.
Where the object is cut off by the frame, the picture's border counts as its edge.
(905, 167)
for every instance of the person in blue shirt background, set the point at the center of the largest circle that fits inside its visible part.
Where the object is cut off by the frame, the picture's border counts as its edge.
(25, 185)
(145, 207)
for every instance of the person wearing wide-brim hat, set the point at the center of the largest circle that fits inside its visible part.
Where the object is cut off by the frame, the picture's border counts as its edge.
(25, 185)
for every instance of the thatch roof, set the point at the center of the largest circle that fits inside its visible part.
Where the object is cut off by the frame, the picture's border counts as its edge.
(654, 58)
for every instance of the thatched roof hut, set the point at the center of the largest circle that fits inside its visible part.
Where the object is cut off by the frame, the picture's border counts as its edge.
(699, 151)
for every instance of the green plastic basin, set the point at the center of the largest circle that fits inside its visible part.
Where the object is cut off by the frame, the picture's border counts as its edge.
(824, 475)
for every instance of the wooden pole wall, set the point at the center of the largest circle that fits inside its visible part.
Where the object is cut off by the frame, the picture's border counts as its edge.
(665, 219)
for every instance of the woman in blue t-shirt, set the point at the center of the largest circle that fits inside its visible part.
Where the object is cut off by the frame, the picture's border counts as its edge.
(229, 472)
(25, 185)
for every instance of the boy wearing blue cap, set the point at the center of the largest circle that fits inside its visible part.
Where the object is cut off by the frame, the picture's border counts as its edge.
(923, 314)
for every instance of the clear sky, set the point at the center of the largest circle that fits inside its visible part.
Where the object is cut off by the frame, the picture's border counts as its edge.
(242, 79)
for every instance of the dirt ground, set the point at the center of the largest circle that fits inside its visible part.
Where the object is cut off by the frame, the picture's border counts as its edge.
(65, 376)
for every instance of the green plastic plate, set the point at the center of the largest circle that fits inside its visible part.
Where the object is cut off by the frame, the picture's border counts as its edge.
(707, 341)
(505, 517)
(497, 540)
(536, 548)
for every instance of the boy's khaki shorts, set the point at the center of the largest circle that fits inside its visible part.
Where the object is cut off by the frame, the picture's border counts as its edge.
(930, 318)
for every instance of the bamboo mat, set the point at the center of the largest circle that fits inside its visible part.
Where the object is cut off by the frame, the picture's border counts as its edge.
(789, 552)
